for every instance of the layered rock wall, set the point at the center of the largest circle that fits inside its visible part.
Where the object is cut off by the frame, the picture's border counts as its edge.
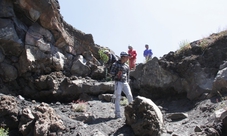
(36, 41)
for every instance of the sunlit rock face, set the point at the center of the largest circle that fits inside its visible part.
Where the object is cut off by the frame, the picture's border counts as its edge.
(36, 41)
(198, 72)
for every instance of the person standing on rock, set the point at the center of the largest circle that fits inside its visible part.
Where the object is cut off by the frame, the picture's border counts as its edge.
(147, 53)
(132, 58)
(120, 72)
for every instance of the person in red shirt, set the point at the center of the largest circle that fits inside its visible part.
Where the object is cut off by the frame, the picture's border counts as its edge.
(132, 59)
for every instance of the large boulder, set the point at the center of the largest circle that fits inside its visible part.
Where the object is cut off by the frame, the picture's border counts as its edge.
(197, 72)
(35, 120)
(220, 80)
(49, 17)
(152, 74)
(10, 43)
(144, 117)
(152, 81)
(9, 112)
(57, 87)
(8, 72)
(80, 68)
(40, 53)
(42, 120)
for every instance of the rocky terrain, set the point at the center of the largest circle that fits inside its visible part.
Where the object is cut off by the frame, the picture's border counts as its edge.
(49, 69)
(181, 116)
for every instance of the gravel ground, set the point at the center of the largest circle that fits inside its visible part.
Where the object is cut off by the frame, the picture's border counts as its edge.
(97, 120)
(98, 117)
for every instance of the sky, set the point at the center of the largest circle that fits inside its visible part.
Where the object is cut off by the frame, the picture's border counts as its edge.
(162, 24)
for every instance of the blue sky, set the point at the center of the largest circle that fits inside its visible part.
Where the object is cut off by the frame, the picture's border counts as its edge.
(162, 24)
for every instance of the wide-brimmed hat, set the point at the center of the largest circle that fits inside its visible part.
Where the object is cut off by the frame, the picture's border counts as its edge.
(124, 54)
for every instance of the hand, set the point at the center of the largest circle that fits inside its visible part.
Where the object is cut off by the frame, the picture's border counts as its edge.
(113, 99)
(119, 74)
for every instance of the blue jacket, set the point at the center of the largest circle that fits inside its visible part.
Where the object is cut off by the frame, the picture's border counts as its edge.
(147, 53)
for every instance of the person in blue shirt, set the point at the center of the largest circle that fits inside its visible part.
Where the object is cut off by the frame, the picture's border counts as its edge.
(147, 53)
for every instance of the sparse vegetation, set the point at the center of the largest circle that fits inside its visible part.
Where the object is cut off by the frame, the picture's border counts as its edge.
(221, 32)
(217, 36)
(79, 106)
(3, 132)
(222, 102)
(184, 45)
(103, 56)
(124, 101)
(203, 44)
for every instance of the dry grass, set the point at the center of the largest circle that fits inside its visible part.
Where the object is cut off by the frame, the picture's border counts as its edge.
(222, 103)
(184, 45)
(124, 101)
(79, 106)
(203, 43)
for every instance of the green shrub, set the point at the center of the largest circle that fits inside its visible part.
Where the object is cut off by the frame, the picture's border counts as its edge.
(4, 132)
(103, 56)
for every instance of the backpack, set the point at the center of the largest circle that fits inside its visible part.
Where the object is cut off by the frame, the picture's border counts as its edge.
(114, 59)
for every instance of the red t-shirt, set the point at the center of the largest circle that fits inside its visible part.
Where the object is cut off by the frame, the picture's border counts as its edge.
(132, 54)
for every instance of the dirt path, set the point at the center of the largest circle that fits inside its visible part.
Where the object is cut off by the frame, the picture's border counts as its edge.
(98, 120)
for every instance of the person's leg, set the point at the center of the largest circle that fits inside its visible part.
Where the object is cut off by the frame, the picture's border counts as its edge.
(130, 64)
(118, 90)
(148, 58)
(127, 92)
(134, 64)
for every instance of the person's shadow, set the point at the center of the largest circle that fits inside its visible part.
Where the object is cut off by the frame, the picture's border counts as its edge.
(126, 130)
(99, 120)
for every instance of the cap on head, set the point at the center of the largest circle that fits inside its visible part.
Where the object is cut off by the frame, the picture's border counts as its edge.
(124, 54)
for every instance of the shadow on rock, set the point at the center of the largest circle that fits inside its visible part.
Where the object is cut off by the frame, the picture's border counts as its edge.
(125, 130)
(100, 120)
